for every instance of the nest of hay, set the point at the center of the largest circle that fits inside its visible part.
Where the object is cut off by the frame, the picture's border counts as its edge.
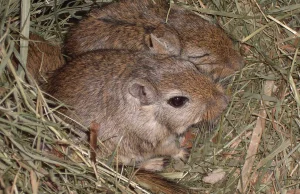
(254, 148)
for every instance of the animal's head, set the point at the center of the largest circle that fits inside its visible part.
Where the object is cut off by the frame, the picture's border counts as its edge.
(175, 93)
(205, 45)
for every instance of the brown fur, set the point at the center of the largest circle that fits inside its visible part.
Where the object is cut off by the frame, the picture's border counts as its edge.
(140, 25)
(131, 25)
(204, 44)
(43, 57)
(127, 94)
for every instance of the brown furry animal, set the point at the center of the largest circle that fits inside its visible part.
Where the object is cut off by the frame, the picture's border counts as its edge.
(142, 102)
(130, 25)
(140, 25)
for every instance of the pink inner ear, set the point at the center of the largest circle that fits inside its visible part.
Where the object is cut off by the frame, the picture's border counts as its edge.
(143, 91)
(158, 47)
(166, 44)
(137, 90)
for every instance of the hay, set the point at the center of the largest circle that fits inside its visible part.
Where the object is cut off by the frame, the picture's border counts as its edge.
(257, 142)
(255, 147)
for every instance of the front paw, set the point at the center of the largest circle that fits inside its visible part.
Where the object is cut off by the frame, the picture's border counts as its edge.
(154, 164)
(183, 154)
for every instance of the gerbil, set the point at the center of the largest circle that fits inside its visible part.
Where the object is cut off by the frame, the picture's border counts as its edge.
(140, 25)
(141, 101)
(131, 25)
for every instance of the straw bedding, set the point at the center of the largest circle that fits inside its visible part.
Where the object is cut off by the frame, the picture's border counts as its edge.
(255, 148)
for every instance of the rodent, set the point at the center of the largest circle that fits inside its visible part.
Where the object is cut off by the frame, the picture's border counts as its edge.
(40, 50)
(142, 102)
(141, 26)
(129, 25)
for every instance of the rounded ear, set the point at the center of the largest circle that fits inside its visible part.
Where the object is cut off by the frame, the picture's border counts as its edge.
(144, 91)
(164, 41)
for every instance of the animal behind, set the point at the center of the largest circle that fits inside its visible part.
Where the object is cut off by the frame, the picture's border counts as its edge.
(147, 26)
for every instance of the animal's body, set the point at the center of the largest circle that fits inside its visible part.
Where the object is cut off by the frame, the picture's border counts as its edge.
(152, 27)
(142, 102)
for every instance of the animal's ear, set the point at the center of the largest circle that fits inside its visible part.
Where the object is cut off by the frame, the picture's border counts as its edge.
(164, 41)
(143, 91)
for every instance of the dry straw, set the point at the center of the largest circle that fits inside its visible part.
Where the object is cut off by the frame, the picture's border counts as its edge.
(254, 149)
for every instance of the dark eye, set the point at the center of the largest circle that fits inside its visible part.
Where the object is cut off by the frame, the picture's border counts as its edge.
(178, 101)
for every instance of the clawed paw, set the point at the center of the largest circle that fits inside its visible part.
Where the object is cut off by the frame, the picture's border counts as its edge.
(183, 154)
(154, 164)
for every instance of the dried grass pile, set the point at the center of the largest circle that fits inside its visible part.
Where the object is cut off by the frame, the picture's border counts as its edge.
(254, 149)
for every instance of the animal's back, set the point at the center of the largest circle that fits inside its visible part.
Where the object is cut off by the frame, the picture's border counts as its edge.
(125, 25)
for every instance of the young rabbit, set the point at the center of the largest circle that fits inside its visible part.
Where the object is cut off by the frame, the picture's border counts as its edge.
(141, 25)
(141, 101)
